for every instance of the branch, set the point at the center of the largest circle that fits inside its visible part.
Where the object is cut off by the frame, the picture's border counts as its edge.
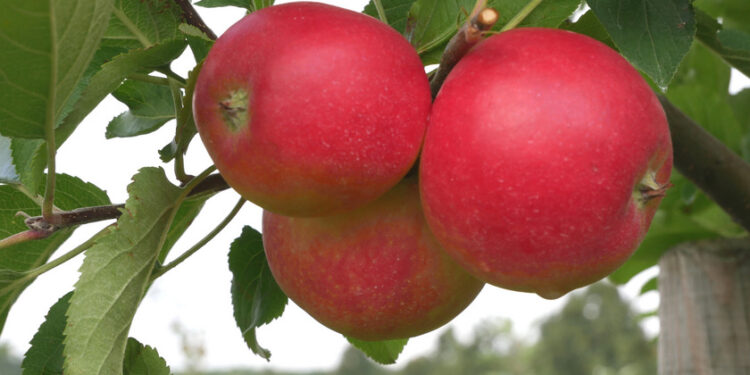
(41, 227)
(192, 17)
(710, 165)
(480, 20)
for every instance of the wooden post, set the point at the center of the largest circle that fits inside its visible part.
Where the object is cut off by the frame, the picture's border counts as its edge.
(704, 311)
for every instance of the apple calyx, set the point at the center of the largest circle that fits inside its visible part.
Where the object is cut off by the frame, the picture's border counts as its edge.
(235, 109)
(648, 189)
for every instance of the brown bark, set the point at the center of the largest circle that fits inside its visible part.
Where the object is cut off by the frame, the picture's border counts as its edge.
(705, 308)
(710, 165)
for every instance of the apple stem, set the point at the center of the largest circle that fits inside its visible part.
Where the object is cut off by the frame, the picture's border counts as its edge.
(235, 109)
(649, 189)
(480, 20)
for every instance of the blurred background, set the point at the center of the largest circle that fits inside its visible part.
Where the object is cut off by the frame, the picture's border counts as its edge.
(187, 314)
(596, 332)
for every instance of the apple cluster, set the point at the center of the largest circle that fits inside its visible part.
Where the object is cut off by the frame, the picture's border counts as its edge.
(541, 163)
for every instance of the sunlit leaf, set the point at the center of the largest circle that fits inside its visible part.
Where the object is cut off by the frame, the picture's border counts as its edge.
(45, 356)
(150, 107)
(114, 277)
(143, 23)
(185, 215)
(143, 360)
(113, 72)
(199, 42)
(46, 47)
(71, 193)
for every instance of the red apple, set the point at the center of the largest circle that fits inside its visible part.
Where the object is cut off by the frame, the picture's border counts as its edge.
(308, 109)
(374, 273)
(545, 158)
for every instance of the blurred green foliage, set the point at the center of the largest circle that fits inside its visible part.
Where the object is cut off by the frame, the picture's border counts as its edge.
(595, 333)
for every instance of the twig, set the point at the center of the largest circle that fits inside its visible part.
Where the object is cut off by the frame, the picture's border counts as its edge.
(179, 163)
(480, 20)
(72, 218)
(710, 165)
(40, 228)
(161, 271)
(381, 11)
(520, 16)
(193, 18)
(33, 273)
(24, 236)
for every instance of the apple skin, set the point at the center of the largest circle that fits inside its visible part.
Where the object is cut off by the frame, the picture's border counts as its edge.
(308, 109)
(538, 145)
(375, 273)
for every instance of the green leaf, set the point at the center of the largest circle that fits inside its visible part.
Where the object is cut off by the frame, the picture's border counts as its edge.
(668, 229)
(45, 356)
(256, 297)
(651, 284)
(46, 47)
(589, 25)
(185, 215)
(733, 13)
(71, 193)
(8, 173)
(127, 124)
(546, 14)
(143, 23)
(30, 155)
(198, 41)
(396, 11)
(114, 277)
(384, 352)
(151, 106)
(112, 74)
(734, 39)
(711, 110)
(143, 360)
(653, 35)
(702, 67)
(433, 22)
(709, 32)
(250, 5)
(30, 159)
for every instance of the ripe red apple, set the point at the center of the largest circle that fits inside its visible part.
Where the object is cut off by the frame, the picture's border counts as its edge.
(374, 273)
(545, 158)
(308, 109)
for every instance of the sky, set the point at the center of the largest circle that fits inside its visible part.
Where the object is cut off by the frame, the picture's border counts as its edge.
(196, 295)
